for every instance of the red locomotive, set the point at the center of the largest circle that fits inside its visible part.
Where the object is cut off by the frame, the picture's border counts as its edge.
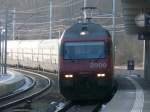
(86, 62)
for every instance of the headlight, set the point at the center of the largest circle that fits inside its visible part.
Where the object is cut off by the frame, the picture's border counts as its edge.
(69, 76)
(83, 33)
(101, 75)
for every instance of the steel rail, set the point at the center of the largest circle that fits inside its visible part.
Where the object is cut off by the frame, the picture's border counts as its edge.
(27, 96)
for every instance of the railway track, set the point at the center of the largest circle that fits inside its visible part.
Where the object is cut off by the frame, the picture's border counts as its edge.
(69, 106)
(80, 107)
(84, 106)
(42, 83)
(30, 82)
(92, 106)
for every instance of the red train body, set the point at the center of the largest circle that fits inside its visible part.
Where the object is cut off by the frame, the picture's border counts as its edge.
(86, 62)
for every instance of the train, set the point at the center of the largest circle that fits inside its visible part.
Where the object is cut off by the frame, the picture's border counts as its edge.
(82, 58)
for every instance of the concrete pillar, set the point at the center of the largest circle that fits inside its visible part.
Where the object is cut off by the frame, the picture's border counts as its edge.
(147, 60)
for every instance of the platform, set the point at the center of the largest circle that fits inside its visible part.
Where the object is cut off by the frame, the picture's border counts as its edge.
(10, 82)
(132, 95)
(5, 77)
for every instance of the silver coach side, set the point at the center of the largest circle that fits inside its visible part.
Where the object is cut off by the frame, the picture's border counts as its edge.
(37, 54)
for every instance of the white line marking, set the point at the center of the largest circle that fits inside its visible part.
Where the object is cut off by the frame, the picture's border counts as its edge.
(139, 101)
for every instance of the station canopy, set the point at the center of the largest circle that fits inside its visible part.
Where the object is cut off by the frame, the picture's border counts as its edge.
(134, 13)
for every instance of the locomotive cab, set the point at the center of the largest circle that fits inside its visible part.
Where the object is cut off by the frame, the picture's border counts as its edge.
(86, 66)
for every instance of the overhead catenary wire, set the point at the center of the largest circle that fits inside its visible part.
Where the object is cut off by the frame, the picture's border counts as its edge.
(70, 19)
(47, 6)
(44, 7)
(31, 16)
(37, 19)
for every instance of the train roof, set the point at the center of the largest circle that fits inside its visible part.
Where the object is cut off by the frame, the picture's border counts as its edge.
(93, 29)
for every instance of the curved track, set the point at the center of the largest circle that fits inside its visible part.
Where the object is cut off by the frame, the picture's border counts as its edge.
(42, 83)
(30, 83)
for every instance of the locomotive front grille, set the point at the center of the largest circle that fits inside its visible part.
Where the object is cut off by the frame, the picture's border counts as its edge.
(84, 83)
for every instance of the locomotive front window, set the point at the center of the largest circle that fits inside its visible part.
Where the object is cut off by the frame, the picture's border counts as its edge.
(84, 50)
